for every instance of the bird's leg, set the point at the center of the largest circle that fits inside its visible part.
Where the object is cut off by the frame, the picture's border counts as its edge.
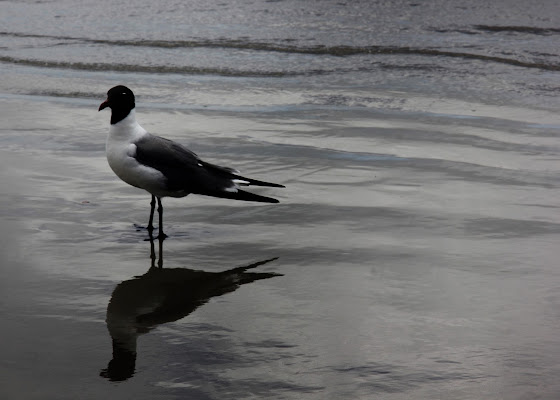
(151, 222)
(162, 235)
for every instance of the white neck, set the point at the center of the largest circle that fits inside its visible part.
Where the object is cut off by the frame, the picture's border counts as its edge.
(127, 129)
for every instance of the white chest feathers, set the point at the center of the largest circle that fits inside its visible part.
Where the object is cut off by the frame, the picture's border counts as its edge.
(121, 151)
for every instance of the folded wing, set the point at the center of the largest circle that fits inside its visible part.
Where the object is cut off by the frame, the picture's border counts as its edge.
(185, 171)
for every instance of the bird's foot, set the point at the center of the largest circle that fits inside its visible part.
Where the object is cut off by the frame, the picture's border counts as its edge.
(139, 228)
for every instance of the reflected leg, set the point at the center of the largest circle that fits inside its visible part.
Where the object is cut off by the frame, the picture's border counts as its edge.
(160, 260)
(152, 250)
(151, 222)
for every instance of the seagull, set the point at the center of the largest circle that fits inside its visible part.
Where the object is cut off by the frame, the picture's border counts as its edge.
(163, 167)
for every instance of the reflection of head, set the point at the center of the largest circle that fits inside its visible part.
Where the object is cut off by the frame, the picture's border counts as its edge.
(121, 367)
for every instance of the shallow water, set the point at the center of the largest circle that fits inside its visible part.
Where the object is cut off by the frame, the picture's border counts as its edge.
(414, 250)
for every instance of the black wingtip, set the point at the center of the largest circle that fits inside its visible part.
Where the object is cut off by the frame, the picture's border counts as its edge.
(248, 196)
(243, 195)
(256, 182)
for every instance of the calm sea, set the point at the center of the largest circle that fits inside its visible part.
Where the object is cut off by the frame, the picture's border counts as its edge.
(414, 254)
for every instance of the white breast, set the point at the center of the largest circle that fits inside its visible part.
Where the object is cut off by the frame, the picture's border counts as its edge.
(120, 150)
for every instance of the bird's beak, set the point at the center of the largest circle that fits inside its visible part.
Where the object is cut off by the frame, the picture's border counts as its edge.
(103, 105)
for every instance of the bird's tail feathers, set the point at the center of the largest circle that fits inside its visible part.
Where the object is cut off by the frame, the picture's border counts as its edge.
(241, 180)
(233, 174)
(243, 195)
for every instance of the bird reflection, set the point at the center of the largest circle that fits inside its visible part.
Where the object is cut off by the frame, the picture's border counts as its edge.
(163, 295)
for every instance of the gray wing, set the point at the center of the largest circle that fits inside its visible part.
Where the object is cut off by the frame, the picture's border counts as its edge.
(182, 168)
(185, 171)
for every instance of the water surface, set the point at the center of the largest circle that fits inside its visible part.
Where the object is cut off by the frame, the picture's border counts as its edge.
(414, 251)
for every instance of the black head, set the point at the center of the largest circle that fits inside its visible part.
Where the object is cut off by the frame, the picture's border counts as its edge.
(120, 100)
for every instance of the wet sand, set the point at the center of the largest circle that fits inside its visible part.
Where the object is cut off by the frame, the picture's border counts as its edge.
(417, 252)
